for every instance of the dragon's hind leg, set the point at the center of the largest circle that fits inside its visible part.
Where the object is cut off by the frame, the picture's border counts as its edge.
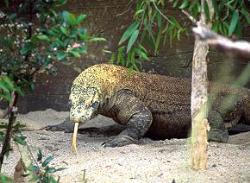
(217, 131)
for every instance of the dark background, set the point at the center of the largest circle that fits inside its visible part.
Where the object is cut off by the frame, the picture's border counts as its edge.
(104, 20)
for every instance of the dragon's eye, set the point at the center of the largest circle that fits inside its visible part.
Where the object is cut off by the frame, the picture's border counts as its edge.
(94, 105)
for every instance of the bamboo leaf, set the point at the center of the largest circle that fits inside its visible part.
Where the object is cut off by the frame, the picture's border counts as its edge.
(97, 39)
(157, 42)
(80, 18)
(184, 4)
(112, 59)
(129, 32)
(139, 12)
(132, 39)
(246, 15)
(175, 3)
(234, 22)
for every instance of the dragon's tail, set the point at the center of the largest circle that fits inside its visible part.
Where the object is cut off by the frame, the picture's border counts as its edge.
(246, 106)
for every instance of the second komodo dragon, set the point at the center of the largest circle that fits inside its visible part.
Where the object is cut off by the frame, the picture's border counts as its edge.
(150, 104)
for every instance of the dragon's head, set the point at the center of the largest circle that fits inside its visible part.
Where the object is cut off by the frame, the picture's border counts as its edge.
(84, 103)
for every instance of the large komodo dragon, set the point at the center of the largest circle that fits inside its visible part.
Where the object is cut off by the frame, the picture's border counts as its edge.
(151, 104)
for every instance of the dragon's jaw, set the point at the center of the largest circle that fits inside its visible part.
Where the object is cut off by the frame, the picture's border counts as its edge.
(77, 120)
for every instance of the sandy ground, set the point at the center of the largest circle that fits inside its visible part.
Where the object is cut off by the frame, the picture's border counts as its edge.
(149, 162)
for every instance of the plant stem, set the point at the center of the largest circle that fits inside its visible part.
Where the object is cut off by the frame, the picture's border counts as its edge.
(12, 119)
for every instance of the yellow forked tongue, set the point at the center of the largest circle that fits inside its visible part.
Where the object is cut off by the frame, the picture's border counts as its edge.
(74, 148)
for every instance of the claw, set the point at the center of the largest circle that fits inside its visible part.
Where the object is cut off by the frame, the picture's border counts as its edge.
(74, 147)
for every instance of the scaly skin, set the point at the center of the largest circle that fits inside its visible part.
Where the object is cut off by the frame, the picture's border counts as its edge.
(150, 104)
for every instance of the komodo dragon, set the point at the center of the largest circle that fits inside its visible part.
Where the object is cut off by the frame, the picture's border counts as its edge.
(151, 104)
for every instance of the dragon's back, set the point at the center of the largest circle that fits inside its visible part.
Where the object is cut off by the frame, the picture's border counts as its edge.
(167, 98)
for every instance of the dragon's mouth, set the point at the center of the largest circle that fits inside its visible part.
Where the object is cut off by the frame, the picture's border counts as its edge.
(74, 137)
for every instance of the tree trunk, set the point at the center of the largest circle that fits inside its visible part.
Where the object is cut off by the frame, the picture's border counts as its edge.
(199, 97)
(199, 106)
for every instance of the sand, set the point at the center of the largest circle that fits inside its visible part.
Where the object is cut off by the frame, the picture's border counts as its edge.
(148, 162)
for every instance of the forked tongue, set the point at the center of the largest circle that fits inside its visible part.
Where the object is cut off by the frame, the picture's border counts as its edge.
(74, 148)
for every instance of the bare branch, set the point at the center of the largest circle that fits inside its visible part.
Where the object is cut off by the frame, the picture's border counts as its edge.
(202, 14)
(237, 48)
(162, 14)
(190, 17)
(211, 12)
(127, 10)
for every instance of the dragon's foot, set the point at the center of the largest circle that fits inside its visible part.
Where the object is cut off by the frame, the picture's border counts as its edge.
(218, 135)
(65, 126)
(119, 141)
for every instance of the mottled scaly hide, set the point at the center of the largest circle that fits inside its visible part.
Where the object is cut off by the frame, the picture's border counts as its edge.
(167, 98)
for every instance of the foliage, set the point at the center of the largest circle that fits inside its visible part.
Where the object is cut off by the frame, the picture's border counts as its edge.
(154, 26)
(5, 179)
(7, 86)
(148, 30)
(229, 16)
(42, 171)
(34, 35)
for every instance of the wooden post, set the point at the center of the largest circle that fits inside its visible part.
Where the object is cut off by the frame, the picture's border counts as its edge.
(199, 106)
(199, 98)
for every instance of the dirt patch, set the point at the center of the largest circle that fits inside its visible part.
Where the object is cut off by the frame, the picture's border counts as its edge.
(149, 161)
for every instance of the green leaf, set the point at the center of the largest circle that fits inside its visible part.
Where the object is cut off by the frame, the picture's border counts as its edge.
(141, 54)
(139, 12)
(19, 91)
(69, 18)
(26, 48)
(97, 39)
(4, 87)
(246, 15)
(43, 37)
(80, 18)
(60, 55)
(62, 2)
(5, 179)
(47, 161)
(34, 168)
(132, 39)
(112, 59)
(39, 155)
(157, 42)
(184, 4)
(75, 53)
(234, 22)
(159, 20)
(206, 10)
(215, 5)
(121, 55)
(129, 32)
(175, 3)
(20, 139)
(6, 97)
(64, 30)
(51, 170)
